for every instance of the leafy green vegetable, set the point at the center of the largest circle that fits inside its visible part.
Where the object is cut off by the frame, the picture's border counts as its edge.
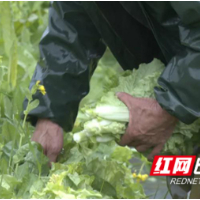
(108, 116)
(106, 119)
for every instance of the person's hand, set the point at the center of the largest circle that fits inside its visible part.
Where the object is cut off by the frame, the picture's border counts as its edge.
(149, 126)
(50, 136)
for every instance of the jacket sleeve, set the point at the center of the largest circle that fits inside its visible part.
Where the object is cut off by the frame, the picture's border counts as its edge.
(69, 51)
(179, 91)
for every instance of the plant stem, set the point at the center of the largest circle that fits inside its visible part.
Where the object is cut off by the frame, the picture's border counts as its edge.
(22, 134)
(23, 125)
(141, 168)
(25, 117)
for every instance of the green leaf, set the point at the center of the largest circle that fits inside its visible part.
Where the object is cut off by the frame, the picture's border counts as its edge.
(32, 17)
(9, 132)
(8, 111)
(104, 187)
(7, 26)
(23, 170)
(23, 190)
(75, 178)
(28, 94)
(9, 149)
(8, 182)
(122, 154)
(21, 152)
(12, 68)
(37, 5)
(34, 104)
(6, 194)
(34, 89)
(18, 97)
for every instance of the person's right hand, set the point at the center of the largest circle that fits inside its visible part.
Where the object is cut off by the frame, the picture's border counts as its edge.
(50, 136)
(150, 126)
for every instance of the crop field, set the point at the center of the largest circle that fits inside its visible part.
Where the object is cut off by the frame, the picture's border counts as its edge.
(95, 168)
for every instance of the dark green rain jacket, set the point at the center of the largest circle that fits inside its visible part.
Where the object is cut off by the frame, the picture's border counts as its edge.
(135, 32)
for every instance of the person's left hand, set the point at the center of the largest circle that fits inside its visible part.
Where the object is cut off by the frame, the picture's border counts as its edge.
(149, 125)
(50, 136)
